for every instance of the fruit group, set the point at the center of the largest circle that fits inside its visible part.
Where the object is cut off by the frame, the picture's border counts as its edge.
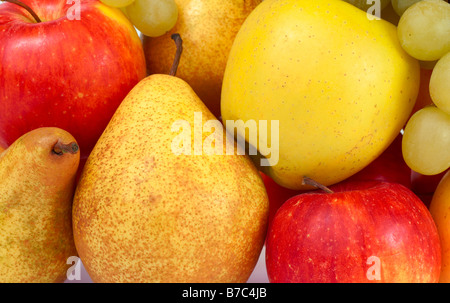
(314, 134)
(339, 106)
(142, 213)
(362, 232)
(37, 181)
(208, 28)
(69, 71)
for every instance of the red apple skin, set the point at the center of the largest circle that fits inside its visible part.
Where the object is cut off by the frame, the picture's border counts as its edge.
(328, 237)
(72, 74)
(390, 166)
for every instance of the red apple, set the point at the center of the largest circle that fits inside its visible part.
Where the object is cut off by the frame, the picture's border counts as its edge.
(360, 232)
(62, 71)
(390, 166)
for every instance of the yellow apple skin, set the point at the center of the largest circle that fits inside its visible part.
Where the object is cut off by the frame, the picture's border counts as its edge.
(340, 85)
(440, 211)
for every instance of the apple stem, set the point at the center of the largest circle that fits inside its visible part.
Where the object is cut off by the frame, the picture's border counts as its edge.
(60, 148)
(309, 181)
(176, 61)
(38, 20)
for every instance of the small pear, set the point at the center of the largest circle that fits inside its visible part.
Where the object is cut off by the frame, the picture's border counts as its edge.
(143, 212)
(36, 189)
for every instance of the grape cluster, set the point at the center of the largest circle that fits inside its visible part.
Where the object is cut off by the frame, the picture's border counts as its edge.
(152, 18)
(424, 33)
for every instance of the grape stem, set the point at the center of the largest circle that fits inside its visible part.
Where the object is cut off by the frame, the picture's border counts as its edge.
(309, 181)
(176, 61)
(21, 4)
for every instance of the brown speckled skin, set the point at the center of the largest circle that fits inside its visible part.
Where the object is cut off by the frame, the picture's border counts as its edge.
(143, 214)
(208, 28)
(36, 191)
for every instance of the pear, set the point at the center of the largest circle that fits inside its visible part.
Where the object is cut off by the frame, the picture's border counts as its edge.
(143, 212)
(208, 28)
(36, 189)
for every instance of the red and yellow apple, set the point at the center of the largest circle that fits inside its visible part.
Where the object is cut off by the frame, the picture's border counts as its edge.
(71, 70)
(360, 232)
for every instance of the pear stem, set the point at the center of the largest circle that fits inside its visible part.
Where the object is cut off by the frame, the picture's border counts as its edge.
(176, 61)
(36, 18)
(60, 148)
(309, 181)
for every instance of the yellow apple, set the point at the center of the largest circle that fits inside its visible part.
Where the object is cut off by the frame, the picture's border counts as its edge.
(440, 211)
(337, 81)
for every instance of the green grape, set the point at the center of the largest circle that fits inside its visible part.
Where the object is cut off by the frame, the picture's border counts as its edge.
(439, 84)
(424, 29)
(426, 141)
(117, 3)
(153, 18)
(400, 6)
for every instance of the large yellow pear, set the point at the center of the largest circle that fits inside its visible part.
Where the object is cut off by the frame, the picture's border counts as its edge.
(208, 28)
(37, 182)
(338, 83)
(153, 205)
